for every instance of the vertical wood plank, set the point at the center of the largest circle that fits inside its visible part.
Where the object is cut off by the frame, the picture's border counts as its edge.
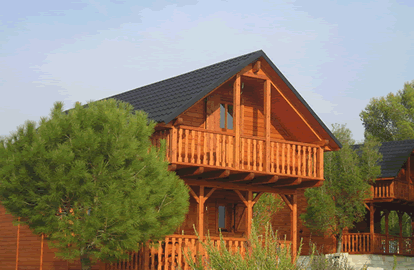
(236, 121)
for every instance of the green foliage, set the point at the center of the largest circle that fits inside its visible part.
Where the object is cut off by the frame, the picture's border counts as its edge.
(97, 165)
(264, 252)
(267, 205)
(338, 204)
(391, 118)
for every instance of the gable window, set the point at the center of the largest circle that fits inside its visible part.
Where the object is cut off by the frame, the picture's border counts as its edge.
(226, 116)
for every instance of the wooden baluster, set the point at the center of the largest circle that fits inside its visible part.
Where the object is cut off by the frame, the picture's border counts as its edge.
(277, 158)
(180, 145)
(186, 146)
(288, 162)
(180, 247)
(283, 159)
(198, 147)
(249, 154)
(272, 157)
(254, 154)
(260, 156)
(211, 148)
(218, 155)
(192, 146)
(173, 266)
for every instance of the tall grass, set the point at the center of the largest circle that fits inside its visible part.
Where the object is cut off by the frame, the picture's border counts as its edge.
(262, 252)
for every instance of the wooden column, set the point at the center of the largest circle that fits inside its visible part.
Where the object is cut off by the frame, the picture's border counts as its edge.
(371, 225)
(236, 121)
(267, 113)
(249, 212)
(387, 246)
(294, 218)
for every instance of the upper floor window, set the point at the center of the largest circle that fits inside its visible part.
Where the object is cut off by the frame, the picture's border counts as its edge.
(226, 116)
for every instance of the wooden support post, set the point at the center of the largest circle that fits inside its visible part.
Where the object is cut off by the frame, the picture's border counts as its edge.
(294, 218)
(201, 216)
(267, 113)
(236, 121)
(371, 226)
(249, 212)
(387, 243)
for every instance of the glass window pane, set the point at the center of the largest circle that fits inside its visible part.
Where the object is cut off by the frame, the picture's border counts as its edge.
(222, 217)
(229, 116)
(222, 116)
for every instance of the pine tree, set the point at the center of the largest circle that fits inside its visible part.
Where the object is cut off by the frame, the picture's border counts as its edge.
(339, 203)
(90, 181)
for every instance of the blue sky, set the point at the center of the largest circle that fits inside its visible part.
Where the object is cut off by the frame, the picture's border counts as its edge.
(337, 54)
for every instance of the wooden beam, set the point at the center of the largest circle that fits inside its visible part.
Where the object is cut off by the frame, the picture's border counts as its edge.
(238, 177)
(286, 200)
(257, 66)
(288, 182)
(172, 167)
(193, 194)
(214, 174)
(190, 171)
(310, 184)
(178, 121)
(255, 76)
(321, 143)
(236, 121)
(241, 197)
(267, 179)
(209, 194)
(267, 114)
(222, 185)
(297, 112)
(258, 195)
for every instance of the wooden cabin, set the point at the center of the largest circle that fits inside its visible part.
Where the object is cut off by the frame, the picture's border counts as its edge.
(234, 130)
(392, 191)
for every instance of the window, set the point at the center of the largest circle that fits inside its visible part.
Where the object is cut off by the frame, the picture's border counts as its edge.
(226, 116)
(222, 217)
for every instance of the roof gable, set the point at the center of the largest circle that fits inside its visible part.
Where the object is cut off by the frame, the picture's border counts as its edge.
(394, 155)
(165, 100)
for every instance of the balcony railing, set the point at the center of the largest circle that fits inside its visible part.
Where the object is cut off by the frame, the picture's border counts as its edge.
(200, 147)
(395, 189)
(173, 251)
(360, 243)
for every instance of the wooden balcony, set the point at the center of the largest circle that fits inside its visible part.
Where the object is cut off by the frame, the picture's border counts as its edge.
(189, 146)
(173, 251)
(366, 243)
(392, 190)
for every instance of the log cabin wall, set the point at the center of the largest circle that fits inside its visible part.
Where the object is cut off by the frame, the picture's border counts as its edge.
(21, 249)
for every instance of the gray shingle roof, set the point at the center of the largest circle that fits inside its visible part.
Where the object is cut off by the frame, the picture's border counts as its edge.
(394, 155)
(165, 100)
